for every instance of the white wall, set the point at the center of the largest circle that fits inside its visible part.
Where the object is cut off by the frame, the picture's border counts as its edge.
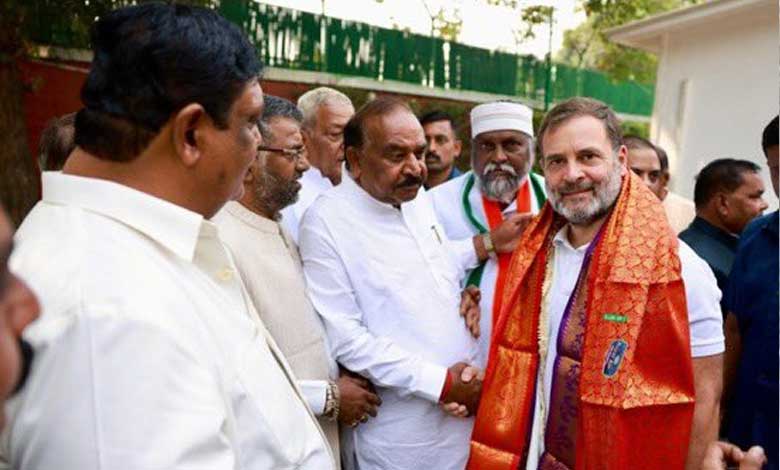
(728, 70)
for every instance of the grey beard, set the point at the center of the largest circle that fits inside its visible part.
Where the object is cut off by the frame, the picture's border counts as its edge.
(605, 196)
(272, 194)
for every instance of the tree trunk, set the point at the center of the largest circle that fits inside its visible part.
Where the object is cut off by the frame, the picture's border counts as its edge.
(19, 179)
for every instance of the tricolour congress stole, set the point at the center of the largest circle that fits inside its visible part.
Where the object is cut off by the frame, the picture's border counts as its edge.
(626, 371)
(494, 217)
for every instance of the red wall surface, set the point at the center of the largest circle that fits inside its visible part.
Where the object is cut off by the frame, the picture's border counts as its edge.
(53, 91)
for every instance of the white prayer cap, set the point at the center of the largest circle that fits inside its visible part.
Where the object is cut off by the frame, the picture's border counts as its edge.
(501, 116)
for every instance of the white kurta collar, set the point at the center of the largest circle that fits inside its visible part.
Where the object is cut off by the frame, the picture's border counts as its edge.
(172, 226)
(561, 240)
(251, 218)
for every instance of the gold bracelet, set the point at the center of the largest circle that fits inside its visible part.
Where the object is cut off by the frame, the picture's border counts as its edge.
(332, 401)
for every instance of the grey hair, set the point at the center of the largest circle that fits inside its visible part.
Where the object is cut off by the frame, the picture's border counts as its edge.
(277, 107)
(312, 100)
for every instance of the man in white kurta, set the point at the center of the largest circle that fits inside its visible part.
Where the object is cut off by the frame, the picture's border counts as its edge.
(381, 275)
(148, 354)
(325, 113)
(502, 149)
(312, 185)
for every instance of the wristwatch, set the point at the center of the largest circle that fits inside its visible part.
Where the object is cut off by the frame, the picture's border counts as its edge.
(488, 242)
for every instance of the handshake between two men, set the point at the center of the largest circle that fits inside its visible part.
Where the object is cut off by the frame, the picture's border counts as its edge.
(359, 399)
(463, 389)
(461, 398)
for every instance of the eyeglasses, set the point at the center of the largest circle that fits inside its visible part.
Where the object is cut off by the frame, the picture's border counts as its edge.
(292, 155)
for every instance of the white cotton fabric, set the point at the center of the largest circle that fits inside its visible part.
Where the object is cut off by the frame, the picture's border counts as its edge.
(148, 355)
(312, 185)
(501, 116)
(384, 282)
(447, 201)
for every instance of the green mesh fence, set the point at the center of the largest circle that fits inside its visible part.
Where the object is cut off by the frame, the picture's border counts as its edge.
(298, 40)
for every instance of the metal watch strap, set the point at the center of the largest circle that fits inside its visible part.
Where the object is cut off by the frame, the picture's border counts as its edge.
(488, 242)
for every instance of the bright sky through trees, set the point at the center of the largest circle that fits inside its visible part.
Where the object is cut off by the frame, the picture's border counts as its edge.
(484, 26)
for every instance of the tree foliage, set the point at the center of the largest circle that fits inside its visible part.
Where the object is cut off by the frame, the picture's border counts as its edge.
(587, 46)
(18, 178)
(446, 20)
(528, 18)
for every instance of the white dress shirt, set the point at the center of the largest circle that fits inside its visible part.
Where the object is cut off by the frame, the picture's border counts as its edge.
(312, 185)
(704, 316)
(447, 201)
(388, 291)
(148, 355)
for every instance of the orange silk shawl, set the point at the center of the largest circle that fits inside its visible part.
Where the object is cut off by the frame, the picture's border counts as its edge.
(640, 417)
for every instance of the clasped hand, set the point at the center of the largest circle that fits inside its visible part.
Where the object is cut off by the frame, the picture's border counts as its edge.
(462, 398)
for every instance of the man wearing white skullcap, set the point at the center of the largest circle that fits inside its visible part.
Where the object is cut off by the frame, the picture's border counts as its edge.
(500, 186)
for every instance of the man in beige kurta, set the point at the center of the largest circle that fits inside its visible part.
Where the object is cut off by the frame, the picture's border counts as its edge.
(270, 266)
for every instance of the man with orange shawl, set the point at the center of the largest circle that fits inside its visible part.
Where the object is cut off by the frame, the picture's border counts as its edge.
(607, 353)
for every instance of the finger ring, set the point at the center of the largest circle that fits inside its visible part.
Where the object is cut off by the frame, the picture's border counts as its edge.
(364, 418)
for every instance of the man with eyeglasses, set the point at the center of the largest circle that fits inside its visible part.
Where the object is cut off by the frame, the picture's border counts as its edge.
(268, 260)
(500, 187)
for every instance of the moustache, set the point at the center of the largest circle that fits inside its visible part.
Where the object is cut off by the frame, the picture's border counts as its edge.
(505, 167)
(409, 182)
(574, 188)
(432, 156)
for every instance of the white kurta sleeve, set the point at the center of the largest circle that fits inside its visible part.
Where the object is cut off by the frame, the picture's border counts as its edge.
(464, 254)
(110, 393)
(314, 392)
(352, 344)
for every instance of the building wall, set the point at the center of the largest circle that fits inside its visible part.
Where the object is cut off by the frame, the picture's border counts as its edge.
(717, 88)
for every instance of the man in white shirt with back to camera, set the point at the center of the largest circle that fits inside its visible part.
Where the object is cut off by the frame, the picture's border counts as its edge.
(148, 354)
(382, 275)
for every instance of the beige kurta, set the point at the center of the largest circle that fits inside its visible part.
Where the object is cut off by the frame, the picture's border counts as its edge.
(270, 266)
(679, 211)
